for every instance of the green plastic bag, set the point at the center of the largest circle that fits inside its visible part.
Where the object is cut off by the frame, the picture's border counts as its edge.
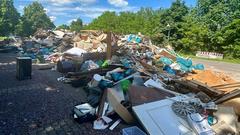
(125, 84)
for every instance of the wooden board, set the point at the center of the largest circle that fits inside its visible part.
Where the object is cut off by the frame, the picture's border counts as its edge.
(167, 54)
(139, 95)
(102, 103)
(196, 86)
(109, 46)
(228, 96)
(115, 102)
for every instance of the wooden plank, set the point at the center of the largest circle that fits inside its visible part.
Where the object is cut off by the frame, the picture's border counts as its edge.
(226, 85)
(196, 86)
(115, 102)
(228, 96)
(165, 53)
(102, 103)
(139, 95)
(207, 88)
(109, 46)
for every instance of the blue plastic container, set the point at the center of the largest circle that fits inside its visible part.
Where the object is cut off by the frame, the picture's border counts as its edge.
(132, 131)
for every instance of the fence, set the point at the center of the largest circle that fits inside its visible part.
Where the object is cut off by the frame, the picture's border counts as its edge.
(211, 55)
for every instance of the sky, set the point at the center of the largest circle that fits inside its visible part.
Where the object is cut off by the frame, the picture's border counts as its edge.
(65, 11)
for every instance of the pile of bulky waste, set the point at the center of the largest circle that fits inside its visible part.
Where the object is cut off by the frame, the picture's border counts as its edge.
(6, 45)
(131, 81)
(49, 45)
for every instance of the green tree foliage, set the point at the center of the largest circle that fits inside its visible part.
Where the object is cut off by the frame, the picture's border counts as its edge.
(34, 18)
(76, 25)
(213, 25)
(143, 21)
(107, 22)
(8, 17)
(195, 35)
(230, 40)
(171, 21)
(217, 15)
(63, 26)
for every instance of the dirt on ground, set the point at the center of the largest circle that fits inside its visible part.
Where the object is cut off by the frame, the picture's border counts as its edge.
(214, 79)
(229, 69)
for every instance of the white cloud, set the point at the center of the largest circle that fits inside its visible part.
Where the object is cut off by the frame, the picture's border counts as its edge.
(69, 21)
(46, 10)
(20, 8)
(53, 18)
(93, 15)
(85, 11)
(87, 2)
(118, 3)
(92, 9)
(62, 2)
(67, 10)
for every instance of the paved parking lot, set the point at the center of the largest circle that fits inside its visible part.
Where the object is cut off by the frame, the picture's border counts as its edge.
(41, 105)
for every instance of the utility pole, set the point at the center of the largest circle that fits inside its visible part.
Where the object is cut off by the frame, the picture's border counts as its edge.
(168, 26)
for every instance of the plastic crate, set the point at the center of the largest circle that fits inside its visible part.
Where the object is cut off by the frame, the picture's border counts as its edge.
(132, 131)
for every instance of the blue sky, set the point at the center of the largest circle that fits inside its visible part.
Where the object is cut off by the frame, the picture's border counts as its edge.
(64, 11)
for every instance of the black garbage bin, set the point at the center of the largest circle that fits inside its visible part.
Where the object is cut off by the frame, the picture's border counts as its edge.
(24, 68)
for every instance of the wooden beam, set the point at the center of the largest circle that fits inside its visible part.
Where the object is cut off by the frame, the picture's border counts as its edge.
(109, 46)
(228, 96)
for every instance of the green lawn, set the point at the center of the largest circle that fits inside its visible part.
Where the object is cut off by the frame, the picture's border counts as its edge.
(229, 60)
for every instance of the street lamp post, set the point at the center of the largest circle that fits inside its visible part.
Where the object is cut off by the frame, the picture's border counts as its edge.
(168, 26)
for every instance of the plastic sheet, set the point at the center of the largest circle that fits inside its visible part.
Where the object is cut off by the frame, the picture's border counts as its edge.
(169, 70)
(134, 38)
(199, 67)
(166, 61)
(185, 62)
(89, 65)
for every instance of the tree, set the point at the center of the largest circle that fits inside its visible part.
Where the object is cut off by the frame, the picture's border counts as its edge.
(76, 25)
(107, 21)
(63, 26)
(23, 28)
(213, 25)
(8, 17)
(195, 35)
(127, 22)
(34, 18)
(217, 15)
(171, 24)
(231, 39)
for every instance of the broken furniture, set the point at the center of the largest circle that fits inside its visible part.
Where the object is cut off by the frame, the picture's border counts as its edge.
(159, 119)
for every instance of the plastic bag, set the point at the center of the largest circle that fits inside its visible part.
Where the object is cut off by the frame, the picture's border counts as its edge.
(89, 65)
(166, 61)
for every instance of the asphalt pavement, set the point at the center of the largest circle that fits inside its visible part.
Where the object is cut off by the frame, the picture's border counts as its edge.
(41, 105)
